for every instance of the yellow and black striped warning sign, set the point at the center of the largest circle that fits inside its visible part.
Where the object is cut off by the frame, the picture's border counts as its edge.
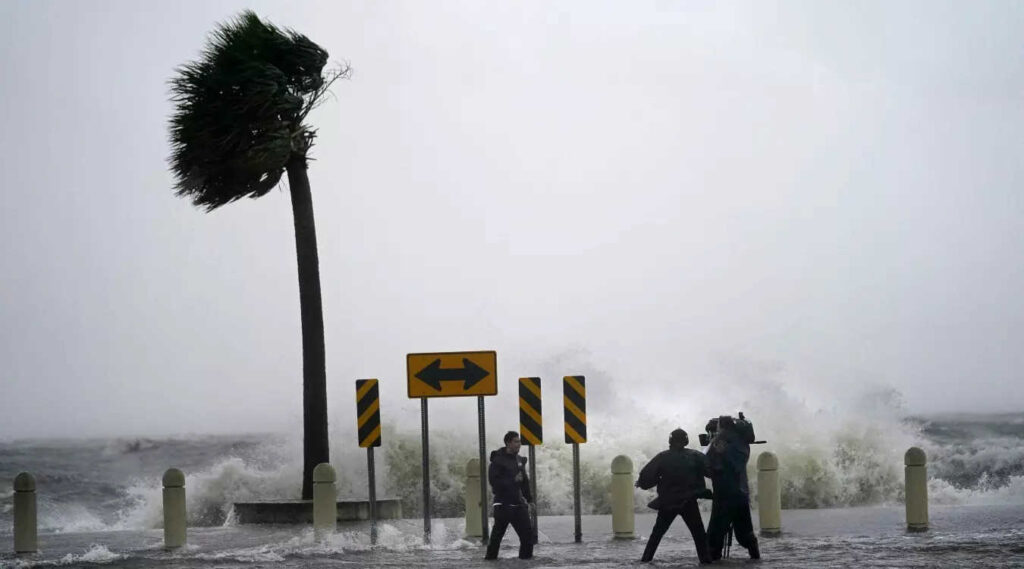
(531, 427)
(574, 392)
(368, 412)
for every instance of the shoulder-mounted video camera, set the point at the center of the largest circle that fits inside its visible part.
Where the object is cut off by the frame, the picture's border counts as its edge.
(723, 423)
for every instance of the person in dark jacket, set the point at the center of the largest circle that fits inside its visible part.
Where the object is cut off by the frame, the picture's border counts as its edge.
(512, 498)
(727, 456)
(679, 475)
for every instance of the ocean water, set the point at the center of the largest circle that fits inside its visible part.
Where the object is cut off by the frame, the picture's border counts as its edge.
(99, 499)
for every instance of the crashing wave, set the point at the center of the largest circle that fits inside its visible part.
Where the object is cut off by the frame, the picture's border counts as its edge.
(839, 454)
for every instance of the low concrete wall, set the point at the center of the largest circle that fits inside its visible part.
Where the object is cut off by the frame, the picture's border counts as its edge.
(301, 511)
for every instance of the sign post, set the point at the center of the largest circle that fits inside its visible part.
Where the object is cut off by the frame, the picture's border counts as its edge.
(531, 430)
(424, 430)
(574, 395)
(368, 423)
(452, 374)
(483, 470)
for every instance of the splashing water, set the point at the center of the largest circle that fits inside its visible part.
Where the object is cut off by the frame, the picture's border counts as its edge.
(849, 453)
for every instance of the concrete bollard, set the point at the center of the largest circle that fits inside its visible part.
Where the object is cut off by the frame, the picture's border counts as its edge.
(474, 523)
(175, 520)
(325, 499)
(26, 526)
(916, 473)
(623, 517)
(769, 497)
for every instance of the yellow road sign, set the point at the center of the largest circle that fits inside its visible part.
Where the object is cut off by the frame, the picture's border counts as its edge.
(452, 374)
(368, 412)
(574, 395)
(531, 423)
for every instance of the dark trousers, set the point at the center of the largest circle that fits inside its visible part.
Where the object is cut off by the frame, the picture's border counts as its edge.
(519, 517)
(735, 513)
(691, 515)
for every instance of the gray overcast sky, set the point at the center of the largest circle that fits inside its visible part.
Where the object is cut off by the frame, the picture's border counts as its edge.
(823, 194)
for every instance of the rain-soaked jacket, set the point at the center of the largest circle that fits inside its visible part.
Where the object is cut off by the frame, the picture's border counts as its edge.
(507, 475)
(727, 461)
(679, 475)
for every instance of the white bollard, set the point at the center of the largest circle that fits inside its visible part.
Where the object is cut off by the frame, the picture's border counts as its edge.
(26, 534)
(916, 473)
(175, 521)
(623, 518)
(769, 497)
(325, 500)
(474, 523)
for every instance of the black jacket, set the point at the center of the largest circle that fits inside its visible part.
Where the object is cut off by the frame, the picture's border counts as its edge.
(679, 475)
(507, 475)
(727, 460)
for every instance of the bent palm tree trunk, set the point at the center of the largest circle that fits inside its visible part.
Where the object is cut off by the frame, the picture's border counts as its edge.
(314, 373)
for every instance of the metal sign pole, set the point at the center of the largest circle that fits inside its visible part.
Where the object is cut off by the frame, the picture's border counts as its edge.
(576, 491)
(373, 495)
(574, 393)
(533, 490)
(368, 435)
(483, 469)
(531, 431)
(426, 470)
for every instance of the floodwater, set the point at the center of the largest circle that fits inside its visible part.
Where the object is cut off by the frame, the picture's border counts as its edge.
(960, 536)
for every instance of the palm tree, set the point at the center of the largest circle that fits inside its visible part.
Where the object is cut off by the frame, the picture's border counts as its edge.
(237, 128)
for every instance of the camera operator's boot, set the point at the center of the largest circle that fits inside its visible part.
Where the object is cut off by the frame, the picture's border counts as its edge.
(754, 550)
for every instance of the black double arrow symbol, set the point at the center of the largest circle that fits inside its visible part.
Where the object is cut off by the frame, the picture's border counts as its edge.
(470, 374)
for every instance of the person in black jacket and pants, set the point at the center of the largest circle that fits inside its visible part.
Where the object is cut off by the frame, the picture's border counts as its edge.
(512, 498)
(727, 461)
(679, 475)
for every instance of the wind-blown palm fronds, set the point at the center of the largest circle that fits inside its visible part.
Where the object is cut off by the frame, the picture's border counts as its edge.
(240, 110)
